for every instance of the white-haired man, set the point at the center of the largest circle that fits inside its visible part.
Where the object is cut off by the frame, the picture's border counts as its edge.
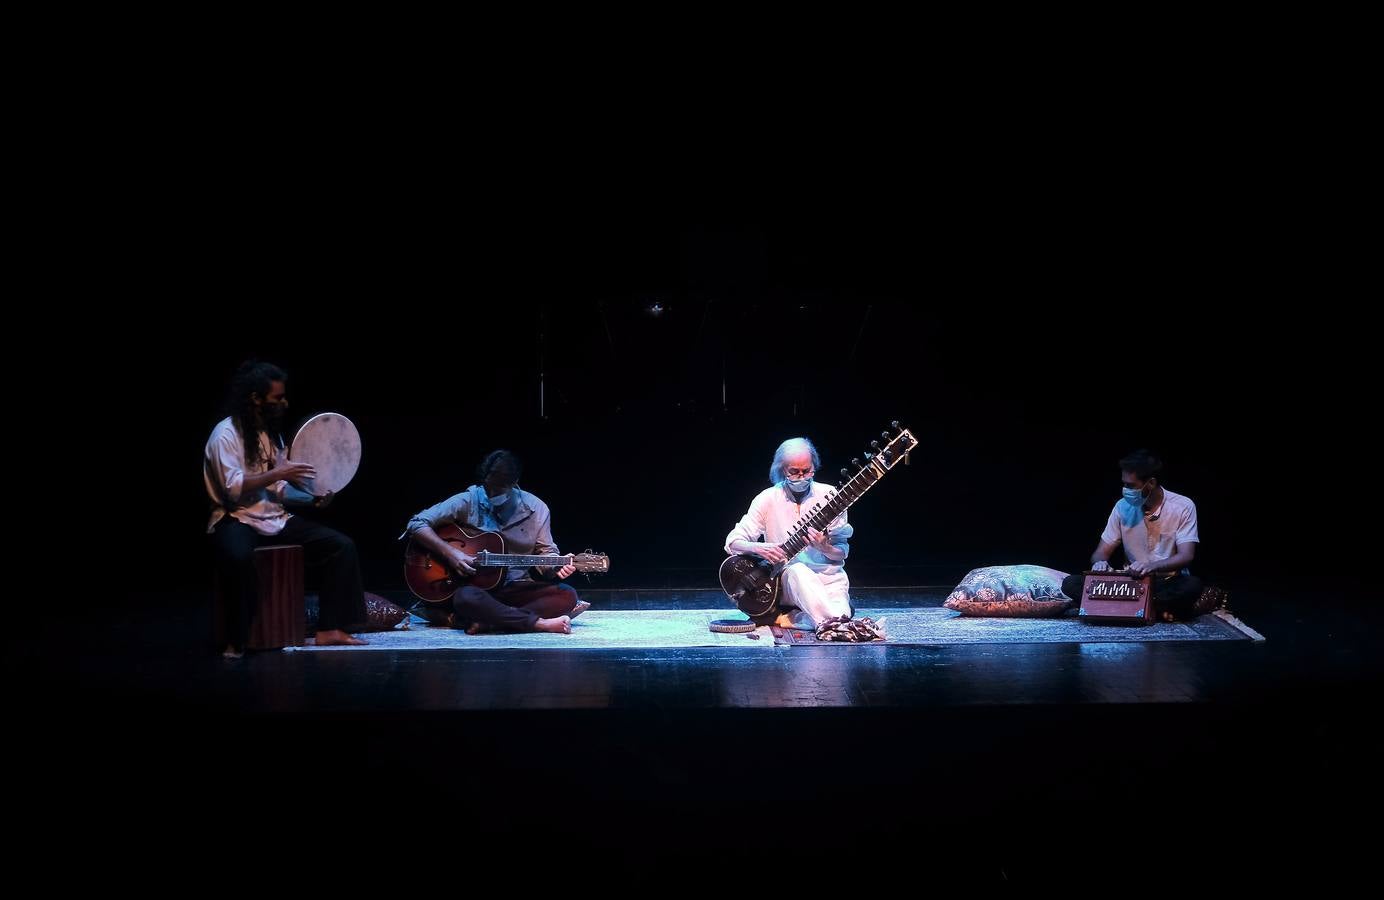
(814, 585)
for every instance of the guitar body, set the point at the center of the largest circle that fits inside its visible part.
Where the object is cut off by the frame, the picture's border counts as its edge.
(752, 582)
(432, 580)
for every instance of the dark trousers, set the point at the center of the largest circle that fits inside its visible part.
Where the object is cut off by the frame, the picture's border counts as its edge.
(1176, 595)
(515, 607)
(342, 595)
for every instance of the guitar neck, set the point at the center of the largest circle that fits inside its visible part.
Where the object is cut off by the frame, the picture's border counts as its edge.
(517, 560)
(841, 500)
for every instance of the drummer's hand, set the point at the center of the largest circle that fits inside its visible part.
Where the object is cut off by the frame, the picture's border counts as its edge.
(288, 470)
(323, 501)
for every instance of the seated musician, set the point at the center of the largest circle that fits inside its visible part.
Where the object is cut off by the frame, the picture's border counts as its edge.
(528, 599)
(249, 478)
(815, 587)
(1158, 530)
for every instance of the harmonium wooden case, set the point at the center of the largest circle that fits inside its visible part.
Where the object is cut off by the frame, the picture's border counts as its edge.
(1115, 597)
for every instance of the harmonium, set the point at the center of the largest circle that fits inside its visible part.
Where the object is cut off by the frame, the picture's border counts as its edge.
(1115, 597)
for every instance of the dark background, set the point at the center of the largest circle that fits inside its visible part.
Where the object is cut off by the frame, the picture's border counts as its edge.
(1027, 362)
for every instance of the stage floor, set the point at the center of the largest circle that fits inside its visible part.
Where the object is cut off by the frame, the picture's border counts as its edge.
(998, 757)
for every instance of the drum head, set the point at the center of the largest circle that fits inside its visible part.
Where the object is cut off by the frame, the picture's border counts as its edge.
(331, 444)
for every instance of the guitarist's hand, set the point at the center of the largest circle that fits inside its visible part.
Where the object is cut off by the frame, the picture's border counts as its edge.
(465, 565)
(772, 552)
(565, 572)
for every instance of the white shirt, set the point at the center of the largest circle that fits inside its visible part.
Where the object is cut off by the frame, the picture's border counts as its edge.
(223, 471)
(772, 515)
(1158, 532)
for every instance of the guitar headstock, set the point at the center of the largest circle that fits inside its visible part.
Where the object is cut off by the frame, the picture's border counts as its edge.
(896, 448)
(591, 562)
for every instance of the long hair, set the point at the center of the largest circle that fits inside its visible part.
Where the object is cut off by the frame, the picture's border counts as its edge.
(792, 445)
(253, 377)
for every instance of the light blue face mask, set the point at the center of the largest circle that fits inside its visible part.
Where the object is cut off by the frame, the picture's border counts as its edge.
(499, 501)
(799, 487)
(1132, 507)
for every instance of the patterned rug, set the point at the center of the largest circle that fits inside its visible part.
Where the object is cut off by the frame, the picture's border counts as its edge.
(664, 628)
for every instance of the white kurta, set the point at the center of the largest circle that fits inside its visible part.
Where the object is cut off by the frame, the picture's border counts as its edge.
(811, 582)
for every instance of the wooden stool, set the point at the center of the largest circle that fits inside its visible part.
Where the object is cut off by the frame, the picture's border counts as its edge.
(280, 617)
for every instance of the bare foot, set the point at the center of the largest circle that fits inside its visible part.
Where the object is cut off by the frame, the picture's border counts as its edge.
(337, 637)
(231, 652)
(560, 625)
(581, 607)
(795, 618)
(478, 628)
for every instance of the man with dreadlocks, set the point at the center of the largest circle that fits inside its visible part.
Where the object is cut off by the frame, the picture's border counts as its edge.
(248, 476)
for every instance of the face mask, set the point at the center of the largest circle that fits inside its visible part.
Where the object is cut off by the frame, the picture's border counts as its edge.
(1132, 507)
(499, 501)
(800, 487)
